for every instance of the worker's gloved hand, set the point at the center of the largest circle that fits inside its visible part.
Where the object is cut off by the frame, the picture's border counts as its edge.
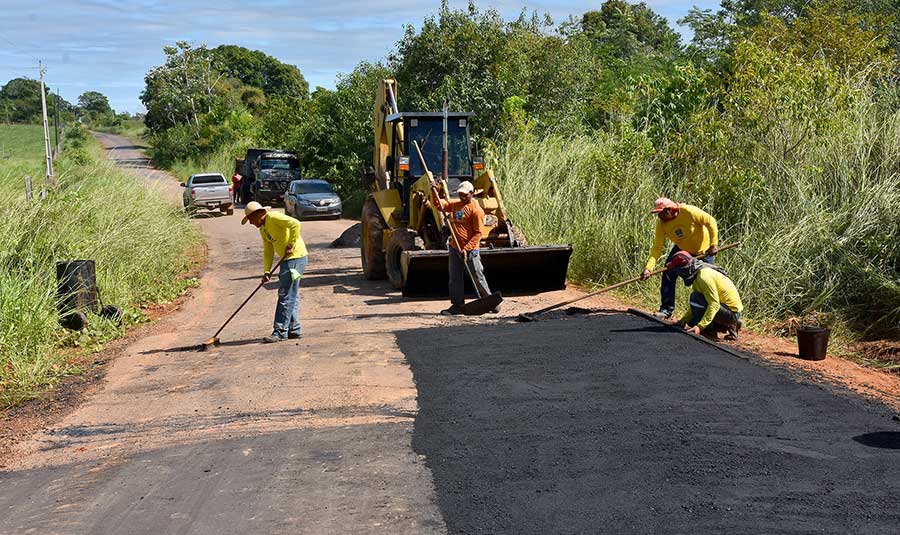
(693, 330)
(645, 275)
(266, 277)
(713, 250)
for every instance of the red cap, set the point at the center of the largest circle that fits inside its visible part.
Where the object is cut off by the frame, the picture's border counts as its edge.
(681, 259)
(662, 203)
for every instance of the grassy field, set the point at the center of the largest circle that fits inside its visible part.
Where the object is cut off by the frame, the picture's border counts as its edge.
(21, 149)
(139, 246)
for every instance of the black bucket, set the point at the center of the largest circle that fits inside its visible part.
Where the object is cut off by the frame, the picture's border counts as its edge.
(813, 342)
(76, 286)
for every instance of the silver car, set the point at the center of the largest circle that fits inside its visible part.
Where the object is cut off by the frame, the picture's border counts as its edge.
(310, 198)
(210, 191)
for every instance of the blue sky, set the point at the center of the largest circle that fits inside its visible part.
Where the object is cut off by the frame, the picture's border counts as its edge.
(108, 45)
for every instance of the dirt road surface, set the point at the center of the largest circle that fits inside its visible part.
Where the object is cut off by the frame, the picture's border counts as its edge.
(388, 418)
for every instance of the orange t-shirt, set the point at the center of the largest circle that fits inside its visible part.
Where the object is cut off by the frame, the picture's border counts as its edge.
(468, 222)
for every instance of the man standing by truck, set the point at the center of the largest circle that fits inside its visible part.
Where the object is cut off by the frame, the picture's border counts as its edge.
(467, 218)
(236, 187)
(281, 234)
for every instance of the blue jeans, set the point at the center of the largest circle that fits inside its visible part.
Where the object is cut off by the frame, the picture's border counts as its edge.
(287, 310)
(667, 284)
(725, 317)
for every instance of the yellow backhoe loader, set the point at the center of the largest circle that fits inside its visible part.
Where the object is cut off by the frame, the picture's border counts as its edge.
(404, 237)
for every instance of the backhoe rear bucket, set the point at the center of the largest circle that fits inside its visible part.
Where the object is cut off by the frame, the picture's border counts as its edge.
(511, 271)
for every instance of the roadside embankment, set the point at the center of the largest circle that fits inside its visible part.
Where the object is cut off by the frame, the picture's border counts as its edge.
(139, 241)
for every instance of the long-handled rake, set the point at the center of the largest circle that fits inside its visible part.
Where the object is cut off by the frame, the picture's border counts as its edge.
(214, 340)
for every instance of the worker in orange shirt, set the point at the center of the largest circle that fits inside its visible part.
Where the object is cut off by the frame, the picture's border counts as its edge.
(467, 218)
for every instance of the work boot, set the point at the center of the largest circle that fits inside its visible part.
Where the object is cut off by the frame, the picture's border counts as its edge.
(734, 331)
(663, 315)
(272, 339)
(454, 310)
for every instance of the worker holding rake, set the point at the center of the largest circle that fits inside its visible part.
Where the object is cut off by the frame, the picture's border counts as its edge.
(467, 218)
(691, 230)
(715, 305)
(281, 234)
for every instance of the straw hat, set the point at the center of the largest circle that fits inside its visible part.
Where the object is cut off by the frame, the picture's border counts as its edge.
(251, 208)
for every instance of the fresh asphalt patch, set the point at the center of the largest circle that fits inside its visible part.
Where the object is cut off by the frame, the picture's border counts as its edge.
(611, 424)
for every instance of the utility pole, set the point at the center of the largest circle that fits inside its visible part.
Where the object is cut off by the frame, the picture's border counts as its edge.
(56, 122)
(47, 151)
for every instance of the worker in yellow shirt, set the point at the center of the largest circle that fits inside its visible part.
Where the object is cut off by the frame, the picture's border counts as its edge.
(690, 229)
(715, 305)
(281, 234)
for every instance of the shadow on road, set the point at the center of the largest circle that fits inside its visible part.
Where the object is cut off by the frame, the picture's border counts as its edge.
(611, 420)
(889, 440)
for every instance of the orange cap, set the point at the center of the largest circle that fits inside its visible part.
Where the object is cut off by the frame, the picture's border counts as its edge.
(662, 203)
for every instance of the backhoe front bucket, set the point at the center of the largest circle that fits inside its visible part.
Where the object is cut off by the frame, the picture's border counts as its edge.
(509, 270)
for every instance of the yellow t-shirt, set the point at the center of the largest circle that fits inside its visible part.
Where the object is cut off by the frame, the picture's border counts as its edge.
(692, 230)
(718, 290)
(277, 232)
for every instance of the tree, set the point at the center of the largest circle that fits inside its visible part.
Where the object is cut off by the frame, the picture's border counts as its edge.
(20, 102)
(181, 89)
(474, 61)
(717, 33)
(624, 30)
(257, 69)
(94, 106)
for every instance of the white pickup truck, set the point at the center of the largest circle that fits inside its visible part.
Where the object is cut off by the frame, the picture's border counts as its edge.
(210, 191)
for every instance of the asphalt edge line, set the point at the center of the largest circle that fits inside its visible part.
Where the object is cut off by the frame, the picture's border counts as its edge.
(720, 347)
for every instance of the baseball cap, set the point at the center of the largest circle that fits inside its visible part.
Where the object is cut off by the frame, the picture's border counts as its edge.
(465, 187)
(662, 203)
(681, 259)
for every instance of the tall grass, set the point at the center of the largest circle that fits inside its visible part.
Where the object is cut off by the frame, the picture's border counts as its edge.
(819, 222)
(97, 212)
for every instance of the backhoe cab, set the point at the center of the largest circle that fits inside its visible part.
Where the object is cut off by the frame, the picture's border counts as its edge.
(404, 237)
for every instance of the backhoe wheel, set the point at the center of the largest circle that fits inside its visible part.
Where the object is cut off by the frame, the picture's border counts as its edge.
(370, 241)
(401, 240)
(516, 232)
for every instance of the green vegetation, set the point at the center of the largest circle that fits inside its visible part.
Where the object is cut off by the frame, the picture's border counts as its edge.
(96, 211)
(20, 102)
(22, 148)
(780, 118)
(130, 127)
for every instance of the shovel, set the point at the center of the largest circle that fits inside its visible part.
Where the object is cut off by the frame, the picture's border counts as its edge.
(483, 304)
(532, 316)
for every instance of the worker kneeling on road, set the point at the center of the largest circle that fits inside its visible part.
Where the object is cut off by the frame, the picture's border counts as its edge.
(690, 229)
(715, 305)
(467, 218)
(281, 234)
